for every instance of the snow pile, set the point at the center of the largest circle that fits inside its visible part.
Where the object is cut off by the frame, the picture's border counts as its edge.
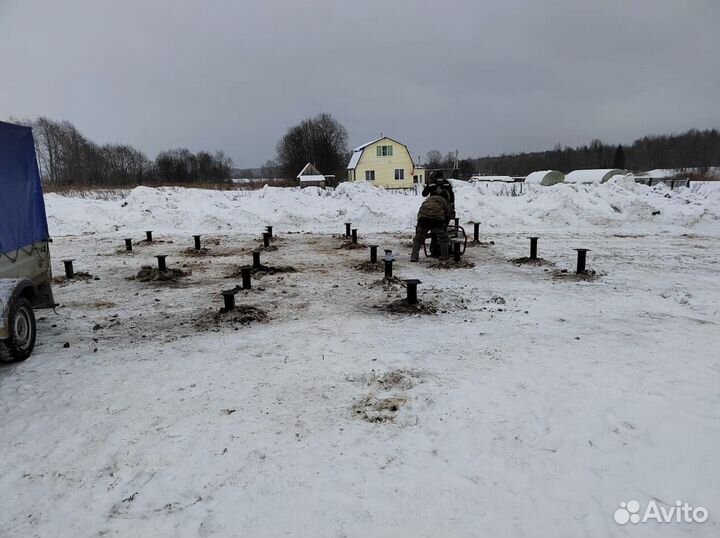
(618, 203)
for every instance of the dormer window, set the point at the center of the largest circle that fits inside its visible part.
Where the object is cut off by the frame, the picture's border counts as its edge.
(384, 151)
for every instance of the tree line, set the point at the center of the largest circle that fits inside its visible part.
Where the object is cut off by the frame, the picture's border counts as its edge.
(68, 158)
(695, 148)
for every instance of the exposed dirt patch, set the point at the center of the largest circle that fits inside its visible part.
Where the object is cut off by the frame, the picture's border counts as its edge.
(452, 264)
(484, 244)
(349, 245)
(400, 379)
(401, 306)
(145, 242)
(389, 284)
(372, 409)
(370, 267)
(497, 299)
(199, 252)
(263, 270)
(271, 248)
(148, 273)
(273, 270)
(79, 275)
(241, 315)
(530, 261)
(566, 275)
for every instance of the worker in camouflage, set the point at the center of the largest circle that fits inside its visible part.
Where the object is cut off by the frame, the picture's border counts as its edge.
(439, 183)
(433, 216)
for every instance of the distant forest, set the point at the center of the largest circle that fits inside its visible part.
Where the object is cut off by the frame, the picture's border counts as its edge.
(696, 149)
(68, 159)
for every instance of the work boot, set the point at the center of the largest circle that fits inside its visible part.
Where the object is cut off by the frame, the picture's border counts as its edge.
(444, 251)
(415, 253)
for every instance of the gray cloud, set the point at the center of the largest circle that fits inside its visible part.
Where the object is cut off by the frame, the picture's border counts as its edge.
(484, 77)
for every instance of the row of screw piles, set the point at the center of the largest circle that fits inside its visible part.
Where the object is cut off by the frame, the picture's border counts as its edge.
(411, 283)
(228, 295)
(351, 232)
(581, 256)
(128, 240)
(246, 273)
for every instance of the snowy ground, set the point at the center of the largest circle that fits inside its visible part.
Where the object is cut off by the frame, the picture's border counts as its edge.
(530, 404)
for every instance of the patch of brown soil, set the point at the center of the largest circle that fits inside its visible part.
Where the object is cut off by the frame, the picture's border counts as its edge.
(400, 379)
(372, 409)
(566, 275)
(79, 275)
(200, 252)
(401, 306)
(452, 264)
(485, 244)
(369, 267)
(349, 245)
(241, 315)
(153, 274)
(263, 270)
(389, 284)
(530, 261)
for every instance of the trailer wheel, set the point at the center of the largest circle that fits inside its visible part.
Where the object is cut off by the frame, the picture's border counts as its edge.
(22, 330)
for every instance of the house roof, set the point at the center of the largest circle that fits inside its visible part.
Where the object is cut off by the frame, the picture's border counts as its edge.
(506, 179)
(309, 170)
(358, 151)
(355, 159)
(304, 179)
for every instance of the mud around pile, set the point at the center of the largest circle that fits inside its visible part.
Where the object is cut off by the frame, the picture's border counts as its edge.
(148, 273)
(389, 284)
(370, 267)
(452, 264)
(569, 276)
(196, 252)
(531, 261)
(485, 244)
(401, 306)
(79, 275)
(262, 270)
(349, 245)
(241, 315)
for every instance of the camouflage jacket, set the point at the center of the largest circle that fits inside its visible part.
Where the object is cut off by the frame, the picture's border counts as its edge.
(435, 207)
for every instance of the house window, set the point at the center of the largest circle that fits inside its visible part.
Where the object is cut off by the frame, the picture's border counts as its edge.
(369, 175)
(383, 151)
(399, 174)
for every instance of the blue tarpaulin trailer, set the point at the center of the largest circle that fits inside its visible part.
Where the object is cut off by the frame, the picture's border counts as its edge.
(24, 251)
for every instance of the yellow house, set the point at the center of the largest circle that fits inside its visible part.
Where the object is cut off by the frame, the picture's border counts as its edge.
(383, 162)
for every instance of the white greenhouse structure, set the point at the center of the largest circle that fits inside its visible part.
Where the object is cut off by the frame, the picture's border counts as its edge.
(545, 177)
(600, 175)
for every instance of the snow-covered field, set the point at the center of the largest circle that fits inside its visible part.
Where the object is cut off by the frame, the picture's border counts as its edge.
(530, 404)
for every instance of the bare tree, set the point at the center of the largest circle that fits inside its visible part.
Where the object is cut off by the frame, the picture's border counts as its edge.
(321, 140)
(433, 159)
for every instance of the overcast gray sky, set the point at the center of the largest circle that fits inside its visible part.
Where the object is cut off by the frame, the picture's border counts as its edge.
(484, 77)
